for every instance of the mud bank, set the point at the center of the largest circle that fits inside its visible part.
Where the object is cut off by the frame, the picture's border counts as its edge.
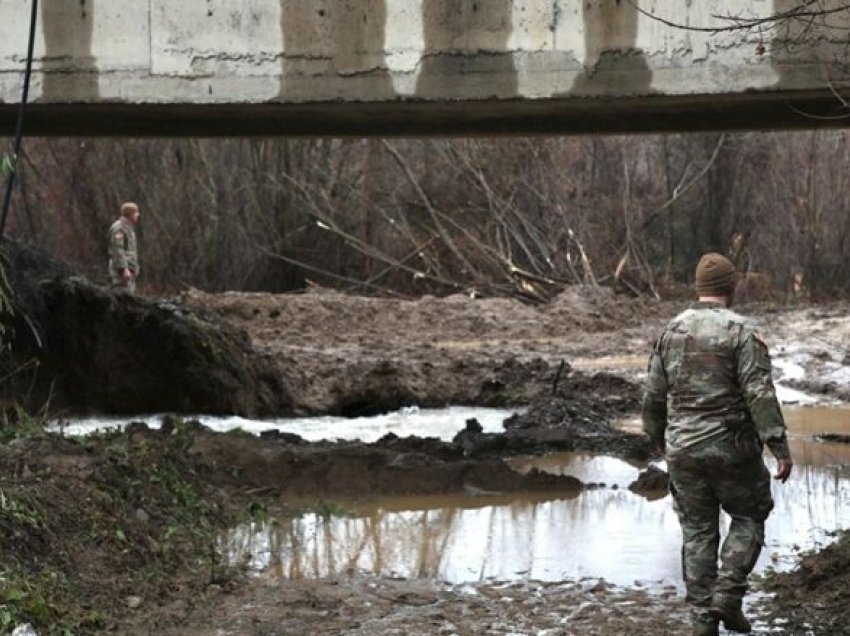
(90, 529)
(113, 522)
(86, 349)
(285, 465)
(355, 356)
(79, 347)
(815, 597)
(326, 353)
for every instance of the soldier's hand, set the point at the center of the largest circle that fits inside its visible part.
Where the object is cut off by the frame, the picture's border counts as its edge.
(783, 469)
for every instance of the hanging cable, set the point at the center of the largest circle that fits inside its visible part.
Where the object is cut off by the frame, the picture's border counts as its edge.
(19, 127)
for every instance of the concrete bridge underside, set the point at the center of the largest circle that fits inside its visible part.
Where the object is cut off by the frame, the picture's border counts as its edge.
(422, 67)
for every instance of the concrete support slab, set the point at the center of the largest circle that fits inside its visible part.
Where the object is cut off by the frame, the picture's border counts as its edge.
(411, 61)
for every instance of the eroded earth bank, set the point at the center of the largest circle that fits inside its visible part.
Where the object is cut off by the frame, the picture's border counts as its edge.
(121, 531)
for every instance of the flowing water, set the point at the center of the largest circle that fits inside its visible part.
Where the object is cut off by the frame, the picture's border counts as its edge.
(441, 423)
(604, 532)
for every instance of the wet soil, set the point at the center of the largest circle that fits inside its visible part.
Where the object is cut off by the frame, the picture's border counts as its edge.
(90, 528)
(815, 597)
(124, 524)
(78, 347)
(370, 606)
(391, 466)
(324, 352)
(357, 356)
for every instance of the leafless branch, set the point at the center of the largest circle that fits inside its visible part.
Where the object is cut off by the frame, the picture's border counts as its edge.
(678, 192)
(802, 11)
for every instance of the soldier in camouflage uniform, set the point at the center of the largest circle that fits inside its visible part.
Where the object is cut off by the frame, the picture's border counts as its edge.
(710, 405)
(123, 256)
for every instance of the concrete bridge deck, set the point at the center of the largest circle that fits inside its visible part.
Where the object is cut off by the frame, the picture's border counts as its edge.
(422, 67)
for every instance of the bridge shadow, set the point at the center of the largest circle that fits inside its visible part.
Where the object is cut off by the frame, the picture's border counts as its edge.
(613, 63)
(69, 69)
(466, 40)
(332, 38)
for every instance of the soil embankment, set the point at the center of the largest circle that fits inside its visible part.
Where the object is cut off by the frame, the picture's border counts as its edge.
(358, 356)
(79, 347)
(125, 524)
(118, 530)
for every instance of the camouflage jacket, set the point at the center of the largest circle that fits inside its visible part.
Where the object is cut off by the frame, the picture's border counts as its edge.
(122, 246)
(709, 373)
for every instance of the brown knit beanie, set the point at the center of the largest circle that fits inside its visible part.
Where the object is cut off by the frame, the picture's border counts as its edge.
(716, 275)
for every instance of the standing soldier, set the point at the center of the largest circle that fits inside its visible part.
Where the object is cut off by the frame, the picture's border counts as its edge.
(123, 257)
(710, 405)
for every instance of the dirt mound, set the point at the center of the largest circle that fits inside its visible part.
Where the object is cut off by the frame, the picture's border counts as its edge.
(652, 482)
(390, 466)
(88, 527)
(813, 599)
(99, 350)
(579, 417)
(352, 355)
(598, 308)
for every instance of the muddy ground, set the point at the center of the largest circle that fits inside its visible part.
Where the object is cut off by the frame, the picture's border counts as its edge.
(572, 360)
(357, 356)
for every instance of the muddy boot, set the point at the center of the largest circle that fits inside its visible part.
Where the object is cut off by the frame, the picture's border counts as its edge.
(728, 609)
(705, 628)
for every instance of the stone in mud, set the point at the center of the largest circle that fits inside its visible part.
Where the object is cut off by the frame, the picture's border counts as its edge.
(473, 441)
(833, 437)
(560, 423)
(651, 480)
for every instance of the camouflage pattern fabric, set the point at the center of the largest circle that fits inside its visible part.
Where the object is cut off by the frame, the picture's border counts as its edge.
(710, 372)
(710, 403)
(726, 473)
(123, 253)
(119, 284)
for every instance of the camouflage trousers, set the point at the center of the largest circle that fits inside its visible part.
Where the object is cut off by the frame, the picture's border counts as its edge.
(727, 473)
(119, 284)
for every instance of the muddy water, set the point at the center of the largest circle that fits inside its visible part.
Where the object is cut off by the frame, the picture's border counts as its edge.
(606, 532)
(441, 423)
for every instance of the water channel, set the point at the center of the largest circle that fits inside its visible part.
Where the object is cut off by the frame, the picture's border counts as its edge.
(605, 532)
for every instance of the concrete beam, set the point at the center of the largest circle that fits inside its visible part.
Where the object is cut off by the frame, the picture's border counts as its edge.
(430, 67)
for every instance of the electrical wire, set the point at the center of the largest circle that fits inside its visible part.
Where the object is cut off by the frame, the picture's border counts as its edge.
(19, 127)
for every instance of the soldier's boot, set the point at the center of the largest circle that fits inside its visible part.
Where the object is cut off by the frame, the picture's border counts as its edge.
(728, 609)
(705, 628)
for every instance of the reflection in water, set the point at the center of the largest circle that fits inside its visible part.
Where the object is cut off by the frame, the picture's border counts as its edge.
(609, 533)
(584, 466)
(463, 540)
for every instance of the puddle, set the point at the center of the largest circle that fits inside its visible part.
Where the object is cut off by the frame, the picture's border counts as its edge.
(588, 468)
(605, 532)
